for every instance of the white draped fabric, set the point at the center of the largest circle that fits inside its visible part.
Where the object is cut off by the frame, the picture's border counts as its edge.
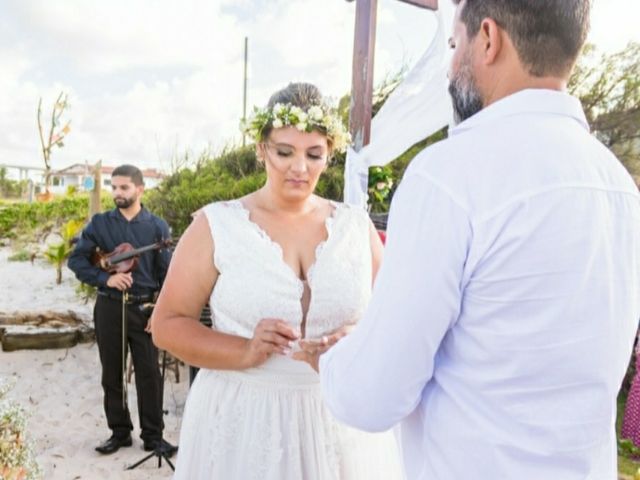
(418, 107)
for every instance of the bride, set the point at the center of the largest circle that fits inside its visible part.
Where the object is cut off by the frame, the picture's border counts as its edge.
(286, 273)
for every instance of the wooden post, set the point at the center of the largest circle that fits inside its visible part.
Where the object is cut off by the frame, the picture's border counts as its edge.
(94, 197)
(362, 77)
(362, 81)
(31, 186)
(429, 4)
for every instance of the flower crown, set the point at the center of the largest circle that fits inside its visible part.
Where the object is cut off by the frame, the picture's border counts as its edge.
(317, 117)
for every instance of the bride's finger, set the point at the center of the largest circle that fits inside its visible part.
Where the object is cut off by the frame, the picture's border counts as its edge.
(286, 330)
(276, 339)
(278, 326)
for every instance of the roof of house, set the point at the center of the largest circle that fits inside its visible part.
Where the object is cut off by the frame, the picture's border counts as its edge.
(83, 169)
(75, 169)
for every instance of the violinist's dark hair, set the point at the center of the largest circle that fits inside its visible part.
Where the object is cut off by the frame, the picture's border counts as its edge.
(130, 171)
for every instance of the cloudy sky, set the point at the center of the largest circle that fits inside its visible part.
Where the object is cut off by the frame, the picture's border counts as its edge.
(149, 80)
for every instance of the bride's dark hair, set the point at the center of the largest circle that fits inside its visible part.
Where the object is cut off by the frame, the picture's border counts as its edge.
(303, 95)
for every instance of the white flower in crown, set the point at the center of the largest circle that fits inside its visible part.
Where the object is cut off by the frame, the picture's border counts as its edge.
(295, 110)
(315, 113)
(316, 117)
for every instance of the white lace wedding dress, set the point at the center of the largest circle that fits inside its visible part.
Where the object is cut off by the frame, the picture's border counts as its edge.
(269, 423)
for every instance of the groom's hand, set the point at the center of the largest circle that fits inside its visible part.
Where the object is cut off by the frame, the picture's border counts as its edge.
(311, 349)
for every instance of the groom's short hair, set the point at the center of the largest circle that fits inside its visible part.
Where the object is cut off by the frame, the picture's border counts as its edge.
(547, 34)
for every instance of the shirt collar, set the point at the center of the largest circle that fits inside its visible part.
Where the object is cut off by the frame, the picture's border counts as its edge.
(142, 215)
(549, 102)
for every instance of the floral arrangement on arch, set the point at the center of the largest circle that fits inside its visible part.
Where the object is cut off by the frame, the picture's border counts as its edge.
(317, 117)
(17, 459)
(380, 186)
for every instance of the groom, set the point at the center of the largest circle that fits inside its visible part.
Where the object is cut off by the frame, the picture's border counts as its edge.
(503, 317)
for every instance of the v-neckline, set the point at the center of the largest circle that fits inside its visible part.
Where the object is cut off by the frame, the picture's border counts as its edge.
(328, 224)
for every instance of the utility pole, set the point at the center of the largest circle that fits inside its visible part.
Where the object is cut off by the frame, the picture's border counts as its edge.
(244, 95)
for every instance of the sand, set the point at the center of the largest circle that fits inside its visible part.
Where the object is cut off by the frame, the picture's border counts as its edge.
(60, 389)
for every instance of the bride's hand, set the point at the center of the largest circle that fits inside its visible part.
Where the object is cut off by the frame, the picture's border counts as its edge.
(270, 336)
(310, 350)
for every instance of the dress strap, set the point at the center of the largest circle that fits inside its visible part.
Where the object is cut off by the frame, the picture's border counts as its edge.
(224, 227)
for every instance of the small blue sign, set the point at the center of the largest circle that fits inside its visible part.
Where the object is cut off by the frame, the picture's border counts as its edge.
(89, 183)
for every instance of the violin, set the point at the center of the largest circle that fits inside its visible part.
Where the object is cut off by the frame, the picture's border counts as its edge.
(124, 258)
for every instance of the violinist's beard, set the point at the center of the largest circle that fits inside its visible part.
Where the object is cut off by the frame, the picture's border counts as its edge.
(124, 202)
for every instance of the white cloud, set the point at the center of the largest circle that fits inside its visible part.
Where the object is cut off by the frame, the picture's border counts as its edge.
(614, 23)
(104, 37)
(148, 79)
(19, 140)
(147, 119)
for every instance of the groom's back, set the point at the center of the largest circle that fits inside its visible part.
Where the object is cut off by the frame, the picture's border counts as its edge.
(526, 379)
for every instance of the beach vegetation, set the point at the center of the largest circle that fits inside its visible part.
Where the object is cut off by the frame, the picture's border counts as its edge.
(17, 457)
(22, 255)
(57, 253)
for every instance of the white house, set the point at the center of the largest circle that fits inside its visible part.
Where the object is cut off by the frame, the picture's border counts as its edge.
(75, 175)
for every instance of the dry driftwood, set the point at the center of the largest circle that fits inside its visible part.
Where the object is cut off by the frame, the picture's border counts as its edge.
(43, 330)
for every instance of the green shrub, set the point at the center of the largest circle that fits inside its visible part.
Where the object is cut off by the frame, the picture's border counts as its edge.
(22, 218)
(232, 174)
(58, 253)
(86, 292)
(20, 256)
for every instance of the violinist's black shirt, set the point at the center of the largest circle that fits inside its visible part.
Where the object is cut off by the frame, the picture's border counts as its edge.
(110, 229)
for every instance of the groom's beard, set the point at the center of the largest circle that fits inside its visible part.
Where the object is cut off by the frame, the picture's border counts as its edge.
(464, 93)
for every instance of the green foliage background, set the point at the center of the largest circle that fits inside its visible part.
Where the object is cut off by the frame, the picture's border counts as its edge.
(21, 218)
(607, 85)
(232, 174)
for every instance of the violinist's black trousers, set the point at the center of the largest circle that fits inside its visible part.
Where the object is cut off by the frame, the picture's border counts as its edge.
(107, 316)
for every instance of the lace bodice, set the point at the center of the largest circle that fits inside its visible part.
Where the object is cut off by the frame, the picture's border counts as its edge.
(256, 283)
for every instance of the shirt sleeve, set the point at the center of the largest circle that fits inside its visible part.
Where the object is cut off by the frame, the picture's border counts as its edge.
(163, 256)
(80, 259)
(374, 377)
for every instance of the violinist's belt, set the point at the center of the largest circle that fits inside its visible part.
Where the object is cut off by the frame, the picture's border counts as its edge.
(130, 297)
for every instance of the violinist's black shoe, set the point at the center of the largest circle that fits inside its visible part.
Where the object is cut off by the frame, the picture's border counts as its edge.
(161, 446)
(113, 444)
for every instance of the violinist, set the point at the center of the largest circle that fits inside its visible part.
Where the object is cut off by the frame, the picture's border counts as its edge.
(130, 222)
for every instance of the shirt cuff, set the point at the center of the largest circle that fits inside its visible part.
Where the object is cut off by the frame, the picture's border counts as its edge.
(103, 277)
